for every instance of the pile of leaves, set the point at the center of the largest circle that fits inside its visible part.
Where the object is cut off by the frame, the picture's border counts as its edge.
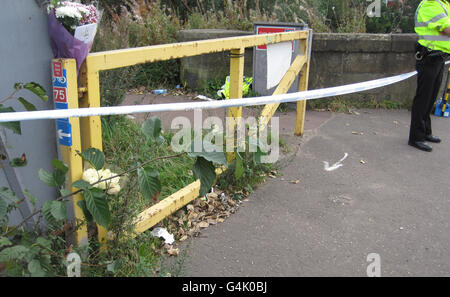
(210, 210)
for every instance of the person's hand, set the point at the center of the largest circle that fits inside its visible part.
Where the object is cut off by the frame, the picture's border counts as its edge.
(445, 32)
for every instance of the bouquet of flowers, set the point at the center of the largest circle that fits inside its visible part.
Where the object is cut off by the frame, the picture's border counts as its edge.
(72, 28)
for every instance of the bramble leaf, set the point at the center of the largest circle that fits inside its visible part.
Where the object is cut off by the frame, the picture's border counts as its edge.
(95, 157)
(28, 106)
(8, 195)
(58, 164)
(59, 210)
(87, 214)
(152, 128)
(13, 126)
(149, 183)
(3, 208)
(35, 268)
(82, 185)
(36, 89)
(98, 206)
(47, 178)
(206, 172)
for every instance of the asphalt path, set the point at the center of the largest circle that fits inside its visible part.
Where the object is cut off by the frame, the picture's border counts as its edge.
(384, 198)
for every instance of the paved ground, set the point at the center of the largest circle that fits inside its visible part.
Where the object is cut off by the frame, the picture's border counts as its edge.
(387, 198)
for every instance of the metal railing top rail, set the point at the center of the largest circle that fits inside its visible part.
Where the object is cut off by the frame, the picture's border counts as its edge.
(128, 57)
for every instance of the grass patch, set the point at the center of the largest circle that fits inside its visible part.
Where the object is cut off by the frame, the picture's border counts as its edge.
(125, 146)
(345, 104)
(122, 137)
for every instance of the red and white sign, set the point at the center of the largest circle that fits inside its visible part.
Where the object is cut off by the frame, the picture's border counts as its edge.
(271, 30)
(57, 69)
(59, 95)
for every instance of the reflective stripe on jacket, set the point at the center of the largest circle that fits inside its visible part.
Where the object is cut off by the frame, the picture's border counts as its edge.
(432, 16)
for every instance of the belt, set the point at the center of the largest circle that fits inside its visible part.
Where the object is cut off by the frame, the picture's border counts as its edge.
(423, 52)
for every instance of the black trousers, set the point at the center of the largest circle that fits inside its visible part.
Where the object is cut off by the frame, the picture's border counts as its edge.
(430, 71)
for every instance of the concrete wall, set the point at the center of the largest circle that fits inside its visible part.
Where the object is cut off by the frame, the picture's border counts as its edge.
(337, 59)
(196, 71)
(25, 56)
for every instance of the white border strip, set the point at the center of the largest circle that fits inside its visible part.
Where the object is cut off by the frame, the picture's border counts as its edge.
(186, 106)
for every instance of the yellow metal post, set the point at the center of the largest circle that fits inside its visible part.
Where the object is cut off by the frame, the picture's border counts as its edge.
(283, 87)
(91, 127)
(89, 78)
(129, 57)
(236, 78)
(69, 153)
(153, 215)
(302, 86)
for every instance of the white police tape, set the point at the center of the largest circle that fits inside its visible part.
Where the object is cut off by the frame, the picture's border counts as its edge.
(186, 106)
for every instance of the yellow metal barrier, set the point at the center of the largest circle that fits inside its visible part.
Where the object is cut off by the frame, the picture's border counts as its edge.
(89, 94)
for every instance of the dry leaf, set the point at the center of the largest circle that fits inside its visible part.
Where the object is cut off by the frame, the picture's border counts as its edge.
(192, 215)
(203, 224)
(190, 207)
(212, 195)
(363, 162)
(185, 237)
(295, 181)
(173, 252)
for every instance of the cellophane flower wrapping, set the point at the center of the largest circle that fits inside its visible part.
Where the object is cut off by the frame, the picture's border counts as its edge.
(72, 28)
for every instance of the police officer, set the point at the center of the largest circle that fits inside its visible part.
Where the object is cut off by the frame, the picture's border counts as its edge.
(432, 24)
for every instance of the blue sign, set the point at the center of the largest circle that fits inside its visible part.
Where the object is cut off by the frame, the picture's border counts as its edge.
(64, 132)
(63, 127)
(61, 105)
(60, 82)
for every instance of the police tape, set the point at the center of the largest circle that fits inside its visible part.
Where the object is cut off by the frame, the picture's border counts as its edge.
(187, 106)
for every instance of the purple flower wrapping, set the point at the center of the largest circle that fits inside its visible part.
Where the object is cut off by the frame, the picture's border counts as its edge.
(63, 44)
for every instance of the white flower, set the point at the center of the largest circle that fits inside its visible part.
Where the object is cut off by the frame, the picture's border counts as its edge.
(90, 175)
(114, 189)
(68, 11)
(111, 185)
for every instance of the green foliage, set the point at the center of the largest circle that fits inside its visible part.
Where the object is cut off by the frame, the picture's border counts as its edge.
(152, 130)
(345, 104)
(149, 183)
(98, 206)
(396, 17)
(3, 209)
(95, 157)
(49, 209)
(148, 25)
(34, 88)
(13, 126)
(244, 173)
(204, 170)
(57, 178)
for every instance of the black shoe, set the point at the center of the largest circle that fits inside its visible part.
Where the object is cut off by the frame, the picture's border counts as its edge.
(432, 138)
(421, 145)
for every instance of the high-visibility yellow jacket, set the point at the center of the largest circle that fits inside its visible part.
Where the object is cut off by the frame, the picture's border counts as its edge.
(432, 16)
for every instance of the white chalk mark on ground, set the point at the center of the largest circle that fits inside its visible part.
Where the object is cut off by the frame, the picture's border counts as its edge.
(335, 165)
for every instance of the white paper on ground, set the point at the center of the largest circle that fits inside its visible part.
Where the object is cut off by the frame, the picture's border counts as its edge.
(86, 33)
(161, 232)
(279, 56)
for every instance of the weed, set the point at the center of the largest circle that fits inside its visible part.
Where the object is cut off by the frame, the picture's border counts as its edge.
(345, 104)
